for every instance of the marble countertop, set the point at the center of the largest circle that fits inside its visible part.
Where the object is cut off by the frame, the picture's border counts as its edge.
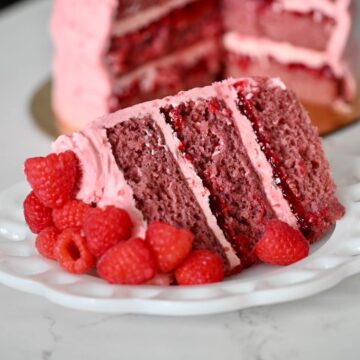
(324, 326)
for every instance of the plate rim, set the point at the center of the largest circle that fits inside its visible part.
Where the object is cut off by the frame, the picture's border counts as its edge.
(341, 259)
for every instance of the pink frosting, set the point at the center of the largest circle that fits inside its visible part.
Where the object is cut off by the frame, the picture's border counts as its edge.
(338, 10)
(102, 181)
(81, 82)
(104, 184)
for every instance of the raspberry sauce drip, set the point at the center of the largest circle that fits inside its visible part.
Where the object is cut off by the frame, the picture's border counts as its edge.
(303, 218)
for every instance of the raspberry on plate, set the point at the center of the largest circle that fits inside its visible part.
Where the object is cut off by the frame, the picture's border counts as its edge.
(37, 215)
(170, 245)
(45, 242)
(129, 262)
(105, 227)
(72, 252)
(201, 267)
(281, 244)
(53, 178)
(70, 215)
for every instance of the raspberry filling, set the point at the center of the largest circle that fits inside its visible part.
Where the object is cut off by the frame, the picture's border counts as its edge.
(179, 29)
(210, 141)
(131, 7)
(169, 79)
(247, 108)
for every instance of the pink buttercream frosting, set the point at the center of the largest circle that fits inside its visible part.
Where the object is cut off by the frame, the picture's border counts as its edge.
(103, 183)
(286, 53)
(337, 10)
(81, 83)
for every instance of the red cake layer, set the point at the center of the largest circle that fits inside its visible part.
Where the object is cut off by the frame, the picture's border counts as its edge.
(160, 190)
(166, 78)
(179, 29)
(211, 142)
(291, 147)
(302, 79)
(260, 18)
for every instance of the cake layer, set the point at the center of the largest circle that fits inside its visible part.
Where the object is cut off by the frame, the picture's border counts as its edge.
(301, 69)
(210, 141)
(318, 25)
(198, 65)
(263, 18)
(175, 30)
(292, 147)
(160, 190)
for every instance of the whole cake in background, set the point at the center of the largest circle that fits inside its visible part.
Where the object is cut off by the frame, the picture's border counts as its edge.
(111, 54)
(223, 162)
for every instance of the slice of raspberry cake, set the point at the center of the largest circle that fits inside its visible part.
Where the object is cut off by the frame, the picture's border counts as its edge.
(220, 161)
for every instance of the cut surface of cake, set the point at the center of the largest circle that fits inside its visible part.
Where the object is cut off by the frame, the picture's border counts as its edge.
(143, 50)
(303, 43)
(220, 161)
(137, 51)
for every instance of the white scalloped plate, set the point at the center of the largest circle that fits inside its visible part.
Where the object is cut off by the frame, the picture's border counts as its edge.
(332, 259)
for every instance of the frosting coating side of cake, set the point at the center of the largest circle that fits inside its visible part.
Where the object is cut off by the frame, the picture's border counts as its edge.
(79, 48)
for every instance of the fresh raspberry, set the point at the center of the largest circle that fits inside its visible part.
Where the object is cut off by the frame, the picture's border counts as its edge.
(70, 215)
(37, 216)
(281, 244)
(201, 267)
(46, 241)
(73, 253)
(170, 245)
(105, 227)
(129, 262)
(52, 177)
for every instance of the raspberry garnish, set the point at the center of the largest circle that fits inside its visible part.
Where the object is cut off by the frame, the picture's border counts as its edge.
(129, 262)
(201, 267)
(72, 252)
(37, 216)
(46, 241)
(281, 244)
(170, 245)
(105, 227)
(70, 215)
(52, 177)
